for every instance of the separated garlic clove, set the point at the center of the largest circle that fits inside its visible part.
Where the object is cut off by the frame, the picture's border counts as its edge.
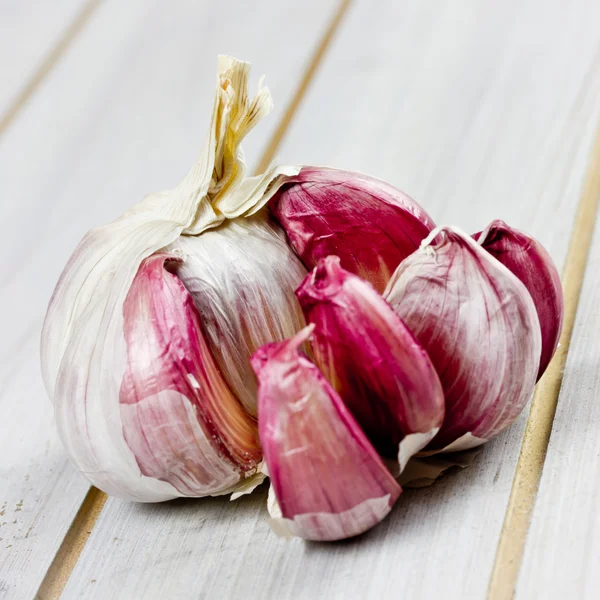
(524, 256)
(242, 277)
(478, 324)
(383, 375)
(327, 479)
(368, 223)
(179, 418)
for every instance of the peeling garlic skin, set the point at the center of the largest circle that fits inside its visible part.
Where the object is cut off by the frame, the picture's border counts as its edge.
(329, 481)
(478, 324)
(368, 223)
(526, 258)
(374, 362)
(179, 417)
(242, 276)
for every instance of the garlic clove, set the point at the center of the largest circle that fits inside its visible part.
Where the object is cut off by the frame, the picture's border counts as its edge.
(524, 256)
(179, 418)
(368, 223)
(478, 324)
(327, 479)
(242, 277)
(363, 348)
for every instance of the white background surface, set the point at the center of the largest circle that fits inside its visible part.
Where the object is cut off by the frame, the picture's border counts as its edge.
(479, 110)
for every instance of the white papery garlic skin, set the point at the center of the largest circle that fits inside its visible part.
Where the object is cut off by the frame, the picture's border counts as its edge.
(84, 353)
(242, 277)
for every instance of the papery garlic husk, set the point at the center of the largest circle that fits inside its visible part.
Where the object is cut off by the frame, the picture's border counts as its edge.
(480, 328)
(369, 224)
(242, 277)
(374, 362)
(524, 256)
(327, 480)
(179, 417)
(84, 351)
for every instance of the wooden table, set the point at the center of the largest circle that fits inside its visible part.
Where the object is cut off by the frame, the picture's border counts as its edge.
(478, 109)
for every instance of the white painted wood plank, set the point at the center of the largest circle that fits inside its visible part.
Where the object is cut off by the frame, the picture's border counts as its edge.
(562, 552)
(479, 110)
(123, 114)
(28, 31)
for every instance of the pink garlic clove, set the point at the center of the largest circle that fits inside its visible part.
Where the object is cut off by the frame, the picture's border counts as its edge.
(383, 375)
(327, 479)
(478, 324)
(526, 258)
(180, 419)
(368, 223)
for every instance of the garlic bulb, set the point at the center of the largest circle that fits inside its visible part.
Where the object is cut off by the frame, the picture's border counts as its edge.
(148, 339)
(327, 480)
(383, 375)
(530, 262)
(478, 324)
(85, 355)
(368, 223)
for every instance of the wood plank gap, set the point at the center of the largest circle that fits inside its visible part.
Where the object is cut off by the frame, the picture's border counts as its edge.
(528, 472)
(48, 63)
(70, 549)
(68, 554)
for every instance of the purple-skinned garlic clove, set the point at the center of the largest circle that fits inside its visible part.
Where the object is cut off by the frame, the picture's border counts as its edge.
(479, 326)
(369, 224)
(179, 417)
(328, 482)
(363, 348)
(524, 256)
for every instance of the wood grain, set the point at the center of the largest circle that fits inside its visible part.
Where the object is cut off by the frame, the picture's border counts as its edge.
(33, 36)
(545, 400)
(480, 110)
(123, 113)
(562, 551)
